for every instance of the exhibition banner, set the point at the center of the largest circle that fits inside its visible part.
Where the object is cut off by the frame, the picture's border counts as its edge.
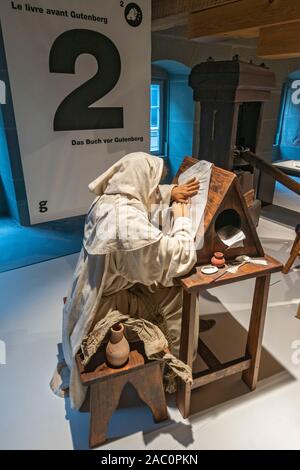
(80, 76)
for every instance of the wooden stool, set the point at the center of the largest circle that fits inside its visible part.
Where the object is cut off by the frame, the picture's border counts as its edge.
(295, 252)
(250, 362)
(106, 385)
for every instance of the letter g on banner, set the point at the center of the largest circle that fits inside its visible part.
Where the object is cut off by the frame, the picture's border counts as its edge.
(296, 93)
(2, 353)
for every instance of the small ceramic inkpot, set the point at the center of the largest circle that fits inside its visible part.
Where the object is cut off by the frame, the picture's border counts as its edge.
(218, 260)
(117, 349)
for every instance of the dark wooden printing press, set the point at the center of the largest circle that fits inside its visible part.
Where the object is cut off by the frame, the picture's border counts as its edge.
(232, 95)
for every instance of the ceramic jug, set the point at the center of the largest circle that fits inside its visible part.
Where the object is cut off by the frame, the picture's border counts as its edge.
(117, 349)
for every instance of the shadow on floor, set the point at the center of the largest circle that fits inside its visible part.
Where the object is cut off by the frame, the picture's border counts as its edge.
(227, 341)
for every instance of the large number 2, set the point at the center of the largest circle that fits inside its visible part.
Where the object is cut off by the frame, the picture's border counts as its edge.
(75, 113)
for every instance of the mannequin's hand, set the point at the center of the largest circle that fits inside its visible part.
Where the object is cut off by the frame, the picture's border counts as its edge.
(181, 209)
(184, 192)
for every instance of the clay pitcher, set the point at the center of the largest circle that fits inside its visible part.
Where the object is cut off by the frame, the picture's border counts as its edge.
(117, 349)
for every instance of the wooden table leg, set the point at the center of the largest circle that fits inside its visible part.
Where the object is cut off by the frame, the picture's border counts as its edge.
(256, 330)
(294, 255)
(104, 400)
(151, 391)
(186, 350)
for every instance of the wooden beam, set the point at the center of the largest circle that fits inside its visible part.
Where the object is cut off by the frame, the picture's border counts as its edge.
(165, 8)
(224, 370)
(161, 24)
(169, 13)
(279, 42)
(233, 18)
(272, 171)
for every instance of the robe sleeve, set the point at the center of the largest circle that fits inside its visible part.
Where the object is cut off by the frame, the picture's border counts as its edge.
(165, 193)
(160, 211)
(172, 256)
(177, 252)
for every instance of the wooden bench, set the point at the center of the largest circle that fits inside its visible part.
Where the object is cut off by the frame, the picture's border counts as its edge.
(106, 385)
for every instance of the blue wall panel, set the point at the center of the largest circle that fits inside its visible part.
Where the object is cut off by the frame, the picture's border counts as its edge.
(181, 121)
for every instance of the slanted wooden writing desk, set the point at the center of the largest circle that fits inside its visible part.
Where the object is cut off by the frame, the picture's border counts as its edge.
(194, 284)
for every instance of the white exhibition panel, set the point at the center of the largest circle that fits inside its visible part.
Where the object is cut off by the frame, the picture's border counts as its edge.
(80, 75)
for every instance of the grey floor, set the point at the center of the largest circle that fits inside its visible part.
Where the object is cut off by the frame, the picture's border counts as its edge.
(286, 198)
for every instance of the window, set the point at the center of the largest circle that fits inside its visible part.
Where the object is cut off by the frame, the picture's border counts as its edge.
(156, 118)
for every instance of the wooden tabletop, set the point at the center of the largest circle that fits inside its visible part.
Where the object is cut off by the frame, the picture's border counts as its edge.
(99, 370)
(196, 281)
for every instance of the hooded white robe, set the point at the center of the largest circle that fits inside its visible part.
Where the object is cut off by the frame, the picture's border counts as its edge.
(126, 264)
